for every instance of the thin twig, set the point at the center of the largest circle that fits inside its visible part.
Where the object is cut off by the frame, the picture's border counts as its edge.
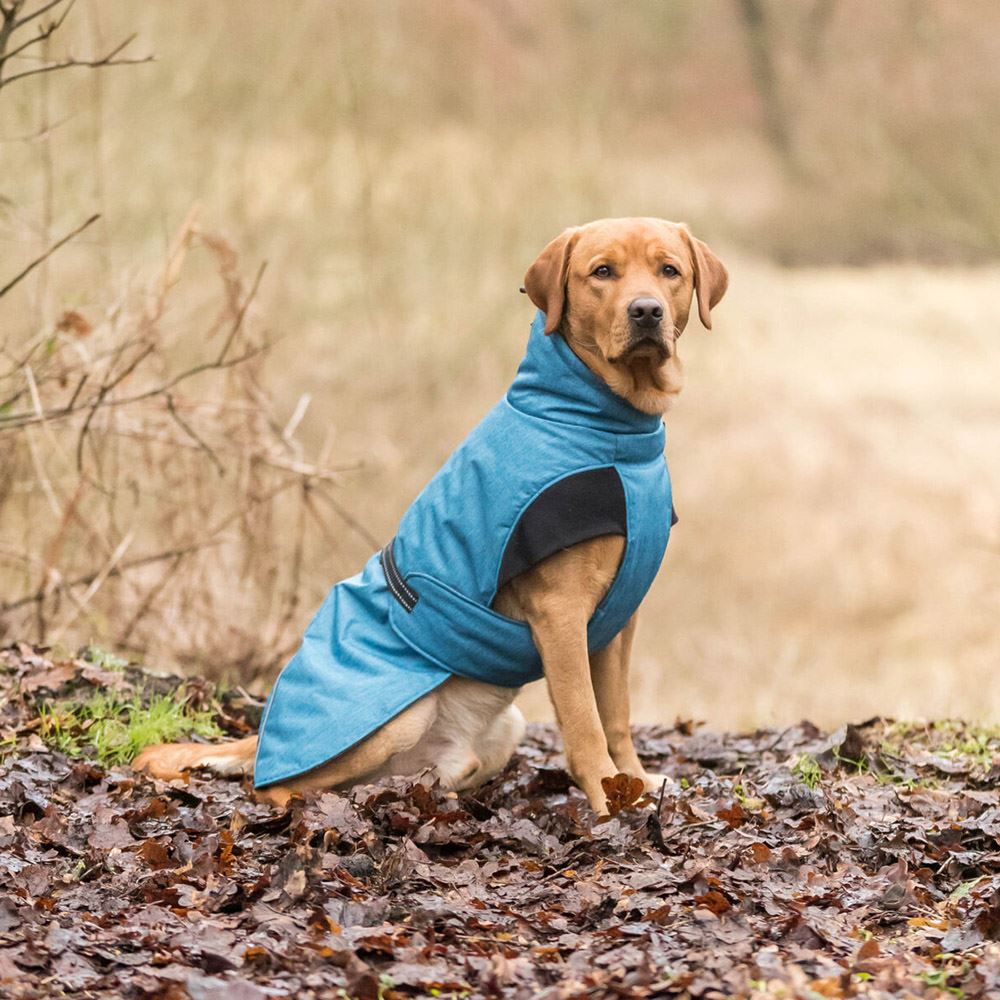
(294, 585)
(18, 363)
(184, 426)
(42, 476)
(288, 431)
(349, 519)
(95, 585)
(191, 372)
(310, 506)
(308, 470)
(88, 578)
(45, 8)
(781, 736)
(45, 33)
(41, 132)
(36, 459)
(655, 823)
(207, 539)
(53, 549)
(108, 60)
(104, 390)
(79, 387)
(674, 832)
(24, 419)
(238, 321)
(147, 601)
(48, 253)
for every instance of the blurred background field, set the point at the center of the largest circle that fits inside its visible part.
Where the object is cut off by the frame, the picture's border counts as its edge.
(835, 455)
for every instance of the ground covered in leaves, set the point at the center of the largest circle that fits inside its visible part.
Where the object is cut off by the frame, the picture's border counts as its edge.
(782, 863)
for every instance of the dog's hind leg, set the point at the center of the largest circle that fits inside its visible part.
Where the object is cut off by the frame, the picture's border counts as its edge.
(495, 747)
(473, 735)
(169, 760)
(366, 759)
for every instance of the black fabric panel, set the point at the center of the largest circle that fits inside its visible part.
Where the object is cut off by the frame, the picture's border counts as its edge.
(673, 515)
(581, 506)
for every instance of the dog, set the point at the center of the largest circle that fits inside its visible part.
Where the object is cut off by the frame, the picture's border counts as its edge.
(527, 555)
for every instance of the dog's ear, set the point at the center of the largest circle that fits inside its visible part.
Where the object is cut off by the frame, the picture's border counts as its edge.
(711, 279)
(545, 281)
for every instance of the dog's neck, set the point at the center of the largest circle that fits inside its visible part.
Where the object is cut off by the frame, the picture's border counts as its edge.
(554, 381)
(647, 384)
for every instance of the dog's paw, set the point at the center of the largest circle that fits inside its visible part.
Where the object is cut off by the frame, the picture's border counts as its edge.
(163, 760)
(654, 782)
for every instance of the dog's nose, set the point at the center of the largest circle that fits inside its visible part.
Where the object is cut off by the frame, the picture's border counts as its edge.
(645, 312)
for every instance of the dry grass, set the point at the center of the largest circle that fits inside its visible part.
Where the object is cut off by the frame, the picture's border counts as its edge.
(834, 457)
(399, 164)
(155, 503)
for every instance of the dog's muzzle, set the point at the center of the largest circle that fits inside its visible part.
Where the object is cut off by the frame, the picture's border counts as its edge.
(652, 347)
(645, 328)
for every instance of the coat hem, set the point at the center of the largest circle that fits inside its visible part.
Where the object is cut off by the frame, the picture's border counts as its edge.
(267, 782)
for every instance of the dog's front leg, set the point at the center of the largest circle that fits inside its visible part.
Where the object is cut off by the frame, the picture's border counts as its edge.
(562, 643)
(609, 669)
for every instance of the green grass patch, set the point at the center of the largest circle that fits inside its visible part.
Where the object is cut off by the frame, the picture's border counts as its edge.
(114, 729)
(977, 743)
(806, 768)
(104, 659)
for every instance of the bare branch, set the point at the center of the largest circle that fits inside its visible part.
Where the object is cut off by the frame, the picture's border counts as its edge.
(307, 470)
(79, 387)
(42, 35)
(95, 585)
(349, 519)
(99, 398)
(44, 9)
(44, 130)
(184, 426)
(89, 578)
(209, 538)
(147, 602)
(48, 253)
(9, 22)
(109, 60)
(26, 418)
(190, 373)
(238, 321)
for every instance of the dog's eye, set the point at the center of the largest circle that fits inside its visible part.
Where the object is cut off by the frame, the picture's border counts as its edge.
(670, 271)
(602, 271)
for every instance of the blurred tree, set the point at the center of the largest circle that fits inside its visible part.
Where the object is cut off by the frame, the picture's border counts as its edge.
(817, 21)
(763, 67)
(763, 49)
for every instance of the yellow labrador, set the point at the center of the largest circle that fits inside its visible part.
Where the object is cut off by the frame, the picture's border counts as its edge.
(619, 291)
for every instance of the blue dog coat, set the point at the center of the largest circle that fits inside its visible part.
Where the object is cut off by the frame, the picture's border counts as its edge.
(558, 460)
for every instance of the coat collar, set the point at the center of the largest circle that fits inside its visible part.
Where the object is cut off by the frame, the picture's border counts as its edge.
(554, 384)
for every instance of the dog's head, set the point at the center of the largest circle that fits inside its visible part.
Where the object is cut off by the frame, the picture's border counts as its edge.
(620, 291)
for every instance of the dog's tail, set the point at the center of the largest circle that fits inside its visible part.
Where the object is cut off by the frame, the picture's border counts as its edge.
(170, 760)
